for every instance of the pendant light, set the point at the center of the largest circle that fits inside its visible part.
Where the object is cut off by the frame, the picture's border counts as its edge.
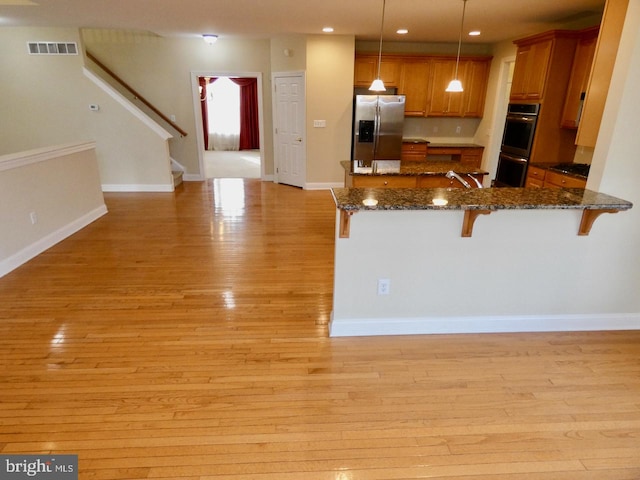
(456, 85)
(378, 85)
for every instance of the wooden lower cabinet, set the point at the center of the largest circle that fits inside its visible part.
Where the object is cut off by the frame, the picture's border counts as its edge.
(535, 177)
(440, 181)
(408, 181)
(553, 179)
(414, 152)
(539, 178)
(383, 181)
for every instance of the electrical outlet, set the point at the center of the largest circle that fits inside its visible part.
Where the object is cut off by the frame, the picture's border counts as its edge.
(458, 129)
(33, 217)
(384, 286)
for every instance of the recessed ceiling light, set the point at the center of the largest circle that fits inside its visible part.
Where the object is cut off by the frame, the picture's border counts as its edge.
(474, 33)
(402, 31)
(327, 29)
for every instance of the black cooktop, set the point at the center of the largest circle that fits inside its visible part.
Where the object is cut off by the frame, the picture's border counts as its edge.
(581, 169)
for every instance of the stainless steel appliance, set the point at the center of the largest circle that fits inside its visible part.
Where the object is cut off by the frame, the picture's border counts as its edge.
(377, 128)
(517, 140)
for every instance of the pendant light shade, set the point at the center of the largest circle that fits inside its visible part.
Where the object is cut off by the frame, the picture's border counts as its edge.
(378, 85)
(456, 85)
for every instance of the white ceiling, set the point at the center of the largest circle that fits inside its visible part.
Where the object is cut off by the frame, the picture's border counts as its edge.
(427, 20)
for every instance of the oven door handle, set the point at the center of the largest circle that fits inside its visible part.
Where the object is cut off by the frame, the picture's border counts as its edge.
(515, 159)
(521, 118)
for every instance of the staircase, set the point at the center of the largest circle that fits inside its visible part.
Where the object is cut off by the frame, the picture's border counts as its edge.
(177, 177)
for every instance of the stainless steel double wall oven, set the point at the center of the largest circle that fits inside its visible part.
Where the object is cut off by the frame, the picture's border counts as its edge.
(517, 140)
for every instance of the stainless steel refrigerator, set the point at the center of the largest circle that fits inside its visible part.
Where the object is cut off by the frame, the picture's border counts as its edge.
(377, 128)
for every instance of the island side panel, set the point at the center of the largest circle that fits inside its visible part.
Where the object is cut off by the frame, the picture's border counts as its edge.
(523, 270)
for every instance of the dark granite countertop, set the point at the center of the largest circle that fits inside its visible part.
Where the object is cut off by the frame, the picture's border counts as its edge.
(417, 169)
(361, 199)
(577, 170)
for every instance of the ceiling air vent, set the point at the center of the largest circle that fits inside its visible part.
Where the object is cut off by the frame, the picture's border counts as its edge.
(53, 48)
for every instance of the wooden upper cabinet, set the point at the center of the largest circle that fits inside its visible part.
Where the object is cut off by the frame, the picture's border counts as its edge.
(423, 80)
(366, 71)
(604, 58)
(414, 83)
(530, 72)
(473, 74)
(576, 91)
(442, 103)
(475, 87)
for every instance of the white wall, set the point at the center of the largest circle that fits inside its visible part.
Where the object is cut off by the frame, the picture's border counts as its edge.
(45, 101)
(330, 98)
(46, 195)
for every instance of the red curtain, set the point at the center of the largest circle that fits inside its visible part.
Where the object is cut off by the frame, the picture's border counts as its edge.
(249, 128)
(202, 82)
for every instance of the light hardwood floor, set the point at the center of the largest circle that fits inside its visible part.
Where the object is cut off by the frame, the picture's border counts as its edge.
(184, 336)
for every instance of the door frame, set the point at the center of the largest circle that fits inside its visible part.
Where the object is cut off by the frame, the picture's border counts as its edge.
(303, 128)
(198, 113)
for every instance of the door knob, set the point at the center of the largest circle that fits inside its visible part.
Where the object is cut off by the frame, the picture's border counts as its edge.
(299, 140)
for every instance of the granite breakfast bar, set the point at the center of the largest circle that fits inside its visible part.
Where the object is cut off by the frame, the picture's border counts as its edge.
(439, 281)
(475, 202)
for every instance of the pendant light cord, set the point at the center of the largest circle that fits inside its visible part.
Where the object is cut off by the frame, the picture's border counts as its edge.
(381, 28)
(464, 7)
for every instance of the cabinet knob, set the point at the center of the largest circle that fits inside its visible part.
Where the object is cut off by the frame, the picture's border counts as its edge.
(386, 183)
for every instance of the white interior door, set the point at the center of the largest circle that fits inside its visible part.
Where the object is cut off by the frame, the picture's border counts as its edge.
(290, 150)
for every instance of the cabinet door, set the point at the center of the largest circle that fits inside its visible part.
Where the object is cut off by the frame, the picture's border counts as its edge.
(414, 84)
(476, 75)
(530, 71)
(603, 61)
(576, 90)
(442, 103)
(537, 69)
(519, 80)
(366, 70)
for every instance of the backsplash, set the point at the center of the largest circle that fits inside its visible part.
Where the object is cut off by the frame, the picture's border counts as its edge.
(442, 130)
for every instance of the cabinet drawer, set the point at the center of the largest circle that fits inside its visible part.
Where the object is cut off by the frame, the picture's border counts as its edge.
(382, 181)
(535, 177)
(553, 179)
(415, 152)
(414, 147)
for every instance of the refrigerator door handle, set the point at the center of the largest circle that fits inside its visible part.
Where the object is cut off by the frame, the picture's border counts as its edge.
(376, 130)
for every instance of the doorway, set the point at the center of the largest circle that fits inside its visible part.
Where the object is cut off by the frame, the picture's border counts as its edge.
(223, 151)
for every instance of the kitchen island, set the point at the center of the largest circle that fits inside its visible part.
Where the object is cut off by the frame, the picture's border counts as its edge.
(439, 281)
(395, 174)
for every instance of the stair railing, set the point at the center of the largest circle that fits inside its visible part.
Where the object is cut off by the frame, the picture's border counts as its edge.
(135, 94)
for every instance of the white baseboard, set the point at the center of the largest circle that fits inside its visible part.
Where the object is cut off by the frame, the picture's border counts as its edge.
(137, 188)
(36, 248)
(192, 177)
(323, 186)
(499, 324)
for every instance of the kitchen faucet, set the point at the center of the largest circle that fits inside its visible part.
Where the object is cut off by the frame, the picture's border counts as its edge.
(451, 175)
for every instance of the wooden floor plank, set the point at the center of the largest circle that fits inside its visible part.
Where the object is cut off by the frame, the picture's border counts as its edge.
(184, 336)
